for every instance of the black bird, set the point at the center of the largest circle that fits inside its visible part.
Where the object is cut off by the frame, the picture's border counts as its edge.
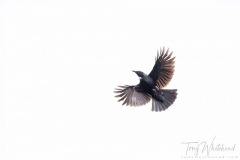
(151, 86)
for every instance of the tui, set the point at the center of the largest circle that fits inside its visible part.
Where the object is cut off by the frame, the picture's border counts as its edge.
(151, 86)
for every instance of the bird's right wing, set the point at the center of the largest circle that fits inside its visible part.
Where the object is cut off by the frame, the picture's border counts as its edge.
(132, 95)
(163, 69)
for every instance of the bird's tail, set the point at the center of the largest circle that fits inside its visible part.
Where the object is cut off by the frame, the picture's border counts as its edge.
(163, 98)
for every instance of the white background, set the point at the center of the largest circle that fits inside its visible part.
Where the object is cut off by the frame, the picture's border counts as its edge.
(61, 60)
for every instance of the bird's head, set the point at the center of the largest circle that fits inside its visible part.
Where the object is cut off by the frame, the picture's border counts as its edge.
(140, 73)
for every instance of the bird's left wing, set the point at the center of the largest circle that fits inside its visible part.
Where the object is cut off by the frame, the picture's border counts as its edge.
(132, 95)
(163, 69)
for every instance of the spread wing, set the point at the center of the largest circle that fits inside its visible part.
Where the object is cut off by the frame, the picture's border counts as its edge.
(163, 69)
(132, 95)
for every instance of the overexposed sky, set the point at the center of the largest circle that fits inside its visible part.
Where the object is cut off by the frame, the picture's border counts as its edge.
(61, 60)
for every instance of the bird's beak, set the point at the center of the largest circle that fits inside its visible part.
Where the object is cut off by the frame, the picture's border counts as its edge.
(134, 71)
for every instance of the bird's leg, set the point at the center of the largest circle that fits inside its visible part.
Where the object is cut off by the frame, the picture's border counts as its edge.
(159, 93)
(154, 91)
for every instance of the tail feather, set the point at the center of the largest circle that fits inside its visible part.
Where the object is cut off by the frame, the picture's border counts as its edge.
(163, 98)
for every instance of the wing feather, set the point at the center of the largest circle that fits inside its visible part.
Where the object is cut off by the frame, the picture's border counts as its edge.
(163, 68)
(132, 95)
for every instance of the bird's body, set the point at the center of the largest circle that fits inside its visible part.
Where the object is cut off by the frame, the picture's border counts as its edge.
(147, 84)
(150, 86)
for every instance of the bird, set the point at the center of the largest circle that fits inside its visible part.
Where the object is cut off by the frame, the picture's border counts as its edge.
(151, 85)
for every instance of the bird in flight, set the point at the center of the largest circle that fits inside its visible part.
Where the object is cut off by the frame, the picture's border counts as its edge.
(151, 85)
